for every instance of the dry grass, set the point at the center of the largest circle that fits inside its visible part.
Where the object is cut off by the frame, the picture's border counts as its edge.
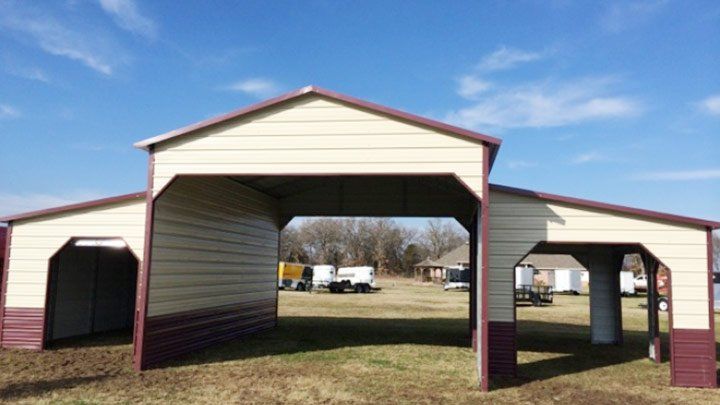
(406, 344)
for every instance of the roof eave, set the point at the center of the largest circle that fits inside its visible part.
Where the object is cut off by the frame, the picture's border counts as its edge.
(416, 119)
(608, 207)
(73, 207)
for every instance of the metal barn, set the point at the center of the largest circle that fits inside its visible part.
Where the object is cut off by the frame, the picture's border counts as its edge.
(200, 245)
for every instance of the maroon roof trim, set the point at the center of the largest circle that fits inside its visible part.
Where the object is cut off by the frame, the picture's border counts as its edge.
(72, 207)
(495, 142)
(605, 206)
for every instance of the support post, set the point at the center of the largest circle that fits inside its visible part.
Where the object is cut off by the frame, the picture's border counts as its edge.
(603, 297)
(651, 269)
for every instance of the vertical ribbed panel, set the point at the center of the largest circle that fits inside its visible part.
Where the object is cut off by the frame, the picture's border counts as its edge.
(693, 358)
(502, 349)
(213, 267)
(22, 328)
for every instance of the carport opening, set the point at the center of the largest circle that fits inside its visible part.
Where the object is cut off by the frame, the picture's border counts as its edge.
(91, 289)
(398, 309)
(606, 324)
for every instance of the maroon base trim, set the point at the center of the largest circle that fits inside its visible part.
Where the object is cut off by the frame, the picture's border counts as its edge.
(22, 328)
(169, 336)
(503, 349)
(693, 358)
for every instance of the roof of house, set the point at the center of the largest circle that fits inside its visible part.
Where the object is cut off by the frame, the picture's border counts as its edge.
(72, 207)
(460, 254)
(428, 263)
(493, 143)
(552, 262)
(604, 206)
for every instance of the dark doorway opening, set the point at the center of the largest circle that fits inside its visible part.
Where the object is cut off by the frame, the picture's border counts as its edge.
(91, 289)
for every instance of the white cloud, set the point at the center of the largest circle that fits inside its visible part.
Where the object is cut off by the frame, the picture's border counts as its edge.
(8, 111)
(520, 164)
(628, 14)
(30, 73)
(680, 175)
(470, 86)
(711, 105)
(588, 157)
(53, 37)
(507, 58)
(256, 87)
(127, 16)
(17, 203)
(547, 105)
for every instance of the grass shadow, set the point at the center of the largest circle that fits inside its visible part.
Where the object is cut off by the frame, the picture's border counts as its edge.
(23, 390)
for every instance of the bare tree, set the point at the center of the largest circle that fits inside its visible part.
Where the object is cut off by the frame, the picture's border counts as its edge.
(441, 236)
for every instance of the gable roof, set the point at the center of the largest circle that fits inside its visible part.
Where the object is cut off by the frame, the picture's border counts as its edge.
(428, 263)
(460, 254)
(548, 261)
(72, 207)
(491, 142)
(607, 207)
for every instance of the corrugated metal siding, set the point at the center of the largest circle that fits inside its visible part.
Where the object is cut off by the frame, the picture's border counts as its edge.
(502, 350)
(214, 243)
(693, 358)
(213, 266)
(317, 135)
(172, 335)
(604, 314)
(517, 223)
(35, 240)
(22, 328)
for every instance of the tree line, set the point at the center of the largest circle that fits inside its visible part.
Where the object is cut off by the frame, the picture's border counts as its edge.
(379, 242)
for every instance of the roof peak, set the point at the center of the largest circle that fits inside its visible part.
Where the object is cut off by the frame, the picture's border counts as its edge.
(493, 142)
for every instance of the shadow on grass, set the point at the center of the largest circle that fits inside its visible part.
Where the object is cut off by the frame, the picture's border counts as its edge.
(572, 351)
(18, 391)
(111, 338)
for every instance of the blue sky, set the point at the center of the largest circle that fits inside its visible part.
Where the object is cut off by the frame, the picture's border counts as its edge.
(618, 102)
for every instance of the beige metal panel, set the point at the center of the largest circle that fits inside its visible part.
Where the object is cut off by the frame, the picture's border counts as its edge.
(215, 242)
(316, 135)
(35, 240)
(518, 223)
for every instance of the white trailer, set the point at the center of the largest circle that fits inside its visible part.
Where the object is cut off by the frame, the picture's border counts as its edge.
(524, 276)
(323, 275)
(360, 279)
(627, 283)
(568, 281)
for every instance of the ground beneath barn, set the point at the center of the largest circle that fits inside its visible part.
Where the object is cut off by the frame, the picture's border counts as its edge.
(406, 343)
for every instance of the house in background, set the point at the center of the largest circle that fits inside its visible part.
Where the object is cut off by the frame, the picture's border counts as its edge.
(430, 270)
(546, 264)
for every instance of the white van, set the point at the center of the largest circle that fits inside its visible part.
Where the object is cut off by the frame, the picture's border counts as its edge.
(323, 275)
(457, 278)
(361, 279)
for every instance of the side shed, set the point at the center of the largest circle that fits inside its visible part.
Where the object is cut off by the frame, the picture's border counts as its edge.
(64, 268)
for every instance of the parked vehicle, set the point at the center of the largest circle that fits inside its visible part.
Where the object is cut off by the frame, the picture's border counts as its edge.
(534, 294)
(716, 284)
(358, 279)
(294, 276)
(568, 281)
(323, 275)
(457, 278)
(627, 283)
(640, 283)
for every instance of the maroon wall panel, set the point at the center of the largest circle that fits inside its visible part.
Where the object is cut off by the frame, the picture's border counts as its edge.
(693, 358)
(168, 336)
(23, 328)
(503, 349)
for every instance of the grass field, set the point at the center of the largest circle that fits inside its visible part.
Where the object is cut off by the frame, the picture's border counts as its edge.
(407, 343)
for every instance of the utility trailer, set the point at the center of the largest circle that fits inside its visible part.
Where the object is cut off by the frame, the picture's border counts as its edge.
(537, 295)
(358, 279)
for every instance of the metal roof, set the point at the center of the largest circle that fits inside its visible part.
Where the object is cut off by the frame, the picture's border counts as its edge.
(72, 207)
(607, 207)
(493, 143)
